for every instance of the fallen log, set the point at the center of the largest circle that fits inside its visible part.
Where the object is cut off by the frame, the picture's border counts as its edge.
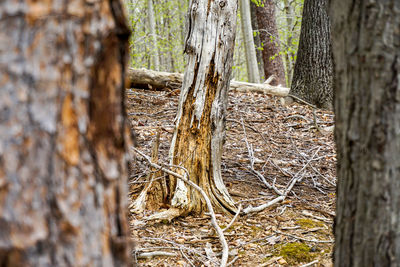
(156, 80)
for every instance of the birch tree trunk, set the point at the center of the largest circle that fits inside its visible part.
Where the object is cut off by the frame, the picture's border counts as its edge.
(251, 58)
(200, 122)
(155, 57)
(63, 139)
(273, 64)
(313, 71)
(366, 46)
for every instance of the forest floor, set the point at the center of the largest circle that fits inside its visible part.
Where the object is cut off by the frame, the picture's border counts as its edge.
(286, 145)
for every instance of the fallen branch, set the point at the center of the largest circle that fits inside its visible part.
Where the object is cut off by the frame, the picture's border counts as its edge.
(309, 264)
(295, 178)
(155, 80)
(234, 218)
(225, 248)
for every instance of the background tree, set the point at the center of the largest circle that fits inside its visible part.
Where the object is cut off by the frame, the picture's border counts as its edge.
(257, 41)
(169, 17)
(63, 139)
(366, 45)
(155, 58)
(200, 120)
(251, 59)
(313, 72)
(273, 65)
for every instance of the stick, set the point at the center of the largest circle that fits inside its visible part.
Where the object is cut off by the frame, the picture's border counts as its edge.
(234, 218)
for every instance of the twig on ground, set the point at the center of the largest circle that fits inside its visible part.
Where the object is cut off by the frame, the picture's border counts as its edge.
(309, 264)
(234, 218)
(225, 248)
(251, 158)
(296, 178)
(232, 261)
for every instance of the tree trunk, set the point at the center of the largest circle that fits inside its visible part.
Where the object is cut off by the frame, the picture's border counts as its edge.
(313, 71)
(290, 14)
(367, 69)
(257, 40)
(63, 139)
(269, 36)
(200, 122)
(155, 58)
(251, 59)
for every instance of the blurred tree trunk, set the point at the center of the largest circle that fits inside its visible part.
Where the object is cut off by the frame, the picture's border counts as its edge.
(155, 57)
(273, 64)
(290, 14)
(63, 138)
(313, 71)
(257, 41)
(366, 46)
(200, 122)
(251, 59)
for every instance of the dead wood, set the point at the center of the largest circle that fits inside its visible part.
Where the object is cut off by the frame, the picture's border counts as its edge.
(156, 80)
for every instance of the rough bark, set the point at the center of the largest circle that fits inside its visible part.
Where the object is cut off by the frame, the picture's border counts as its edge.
(367, 85)
(200, 122)
(273, 64)
(251, 59)
(313, 71)
(155, 80)
(63, 136)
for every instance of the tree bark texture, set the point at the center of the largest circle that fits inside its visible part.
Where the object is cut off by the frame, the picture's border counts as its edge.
(157, 80)
(200, 122)
(367, 105)
(63, 165)
(313, 71)
(251, 59)
(273, 64)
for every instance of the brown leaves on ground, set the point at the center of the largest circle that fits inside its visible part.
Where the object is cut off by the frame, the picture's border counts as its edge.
(284, 139)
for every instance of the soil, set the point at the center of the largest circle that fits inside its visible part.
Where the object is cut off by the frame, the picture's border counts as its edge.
(283, 143)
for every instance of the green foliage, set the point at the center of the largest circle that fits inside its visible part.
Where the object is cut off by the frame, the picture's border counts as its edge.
(170, 30)
(170, 26)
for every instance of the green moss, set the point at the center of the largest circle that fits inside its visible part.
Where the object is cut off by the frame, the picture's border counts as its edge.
(296, 252)
(308, 223)
(255, 230)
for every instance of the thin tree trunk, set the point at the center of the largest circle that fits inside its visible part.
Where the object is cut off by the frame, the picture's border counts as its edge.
(257, 40)
(200, 122)
(289, 39)
(155, 57)
(273, 64)
(251, 59)
(63, 139)
(366, 50)
(313, 71)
